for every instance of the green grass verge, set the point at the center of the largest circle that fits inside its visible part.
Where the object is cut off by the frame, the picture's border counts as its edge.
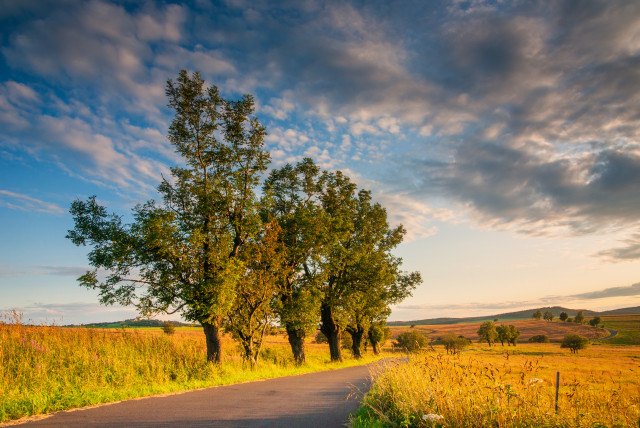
(47, 369)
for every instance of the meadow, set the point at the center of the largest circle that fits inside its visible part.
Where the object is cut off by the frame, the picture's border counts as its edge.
(627, 326)
(48, 368)
(512, 386)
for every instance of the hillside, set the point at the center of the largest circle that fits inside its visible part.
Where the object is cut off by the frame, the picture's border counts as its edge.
(513, 316)
(133, 323)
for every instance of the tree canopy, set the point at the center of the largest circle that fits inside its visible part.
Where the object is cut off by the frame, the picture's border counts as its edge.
(311, 247)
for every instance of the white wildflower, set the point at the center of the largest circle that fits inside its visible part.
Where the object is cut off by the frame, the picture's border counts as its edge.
(534, 381)
(432, 417)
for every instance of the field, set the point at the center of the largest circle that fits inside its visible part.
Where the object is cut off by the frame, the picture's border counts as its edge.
(48, 368)
(554, 330)
(506, 386)
(627, 326)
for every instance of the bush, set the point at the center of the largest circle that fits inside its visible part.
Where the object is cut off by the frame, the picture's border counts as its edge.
(453, 343)
(539, 338)
(168, 328)
(411, 341)
(320, 337)
(574, 342)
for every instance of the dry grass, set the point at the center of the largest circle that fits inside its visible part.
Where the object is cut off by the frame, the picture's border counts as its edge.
(505, 387)
(47, 368)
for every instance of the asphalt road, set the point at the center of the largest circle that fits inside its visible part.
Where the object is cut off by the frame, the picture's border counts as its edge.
(323, 399)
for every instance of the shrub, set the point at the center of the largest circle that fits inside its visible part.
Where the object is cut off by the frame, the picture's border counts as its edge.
(594, 321)
(411, 341)
(168, 328)
(539, 338)
(574, 342)
(453, 343)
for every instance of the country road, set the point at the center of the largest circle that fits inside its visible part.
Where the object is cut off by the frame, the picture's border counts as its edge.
(322, 399)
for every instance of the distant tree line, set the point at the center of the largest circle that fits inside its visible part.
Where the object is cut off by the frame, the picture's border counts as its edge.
(238, 251)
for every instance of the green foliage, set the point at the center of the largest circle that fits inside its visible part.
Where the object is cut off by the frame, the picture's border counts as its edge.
(487, 332)
(563, 316)
(574, 342)
(411, 341)
(537, 314)
(168, 328)
(548, 316)
(453, 343)
(579, 318)
(514, 334)
(539, 338)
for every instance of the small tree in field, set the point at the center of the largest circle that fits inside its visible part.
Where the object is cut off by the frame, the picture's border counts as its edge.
(539, 338)
(514, 334)
(595, 321)
(453, 343)
(579, 318)
(487, 332)
(168, 328)
(574, 342)
(548, 315)
(563, 316)
(503, 334)
(537, 314)
(411, 341)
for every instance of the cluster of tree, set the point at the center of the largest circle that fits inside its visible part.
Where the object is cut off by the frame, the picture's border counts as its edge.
(411, 341)
(235, 251)
(489, 333)
(453, 343)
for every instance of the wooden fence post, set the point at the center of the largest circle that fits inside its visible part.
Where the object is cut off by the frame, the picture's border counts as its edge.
(557, 389)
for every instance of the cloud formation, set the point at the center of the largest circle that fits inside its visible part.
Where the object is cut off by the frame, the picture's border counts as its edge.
(518, 115)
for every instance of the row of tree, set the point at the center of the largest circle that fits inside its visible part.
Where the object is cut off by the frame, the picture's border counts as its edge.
(489, 333)
(578, 319)
(234, 248)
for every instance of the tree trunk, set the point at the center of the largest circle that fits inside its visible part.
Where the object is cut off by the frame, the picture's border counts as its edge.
(296, 340)
(356, 333)
(214, 347)
(331, 330)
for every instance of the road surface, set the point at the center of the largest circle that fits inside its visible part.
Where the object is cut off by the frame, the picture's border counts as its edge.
(322, 399)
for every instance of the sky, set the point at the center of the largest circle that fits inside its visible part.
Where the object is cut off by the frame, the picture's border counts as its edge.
(503, 135)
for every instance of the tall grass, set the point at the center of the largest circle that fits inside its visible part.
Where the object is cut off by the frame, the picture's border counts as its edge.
(48, 368)
(497, 389)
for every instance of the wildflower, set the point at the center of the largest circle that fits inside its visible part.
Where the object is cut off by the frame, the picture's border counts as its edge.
(432, 417)
(534, 380)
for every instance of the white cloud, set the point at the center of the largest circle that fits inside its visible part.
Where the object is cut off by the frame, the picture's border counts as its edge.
(24, 202)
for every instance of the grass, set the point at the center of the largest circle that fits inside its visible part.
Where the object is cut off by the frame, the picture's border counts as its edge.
(627, 326)
(505, 387)
(47, 368)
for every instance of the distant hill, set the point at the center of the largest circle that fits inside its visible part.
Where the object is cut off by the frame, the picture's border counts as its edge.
(138, 322)
(519, 315)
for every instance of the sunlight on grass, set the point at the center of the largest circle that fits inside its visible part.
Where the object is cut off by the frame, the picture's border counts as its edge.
(48, 368)
(502, 387)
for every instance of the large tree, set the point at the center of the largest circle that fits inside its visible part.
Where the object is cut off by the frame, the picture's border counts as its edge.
(362, 277)
(292, 191)
(184, 254)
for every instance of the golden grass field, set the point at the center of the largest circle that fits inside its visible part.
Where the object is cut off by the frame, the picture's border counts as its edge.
(513, 386)
(506, 387)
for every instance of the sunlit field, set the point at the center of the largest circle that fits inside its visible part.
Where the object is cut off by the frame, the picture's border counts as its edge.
(507, 386)
(627, 326)
(47, 368)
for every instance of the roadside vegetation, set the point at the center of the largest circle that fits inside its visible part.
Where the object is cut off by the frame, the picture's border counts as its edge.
(48, 368)
(494, 386)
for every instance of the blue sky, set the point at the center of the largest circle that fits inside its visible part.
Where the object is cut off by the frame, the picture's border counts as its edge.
(503, 135)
